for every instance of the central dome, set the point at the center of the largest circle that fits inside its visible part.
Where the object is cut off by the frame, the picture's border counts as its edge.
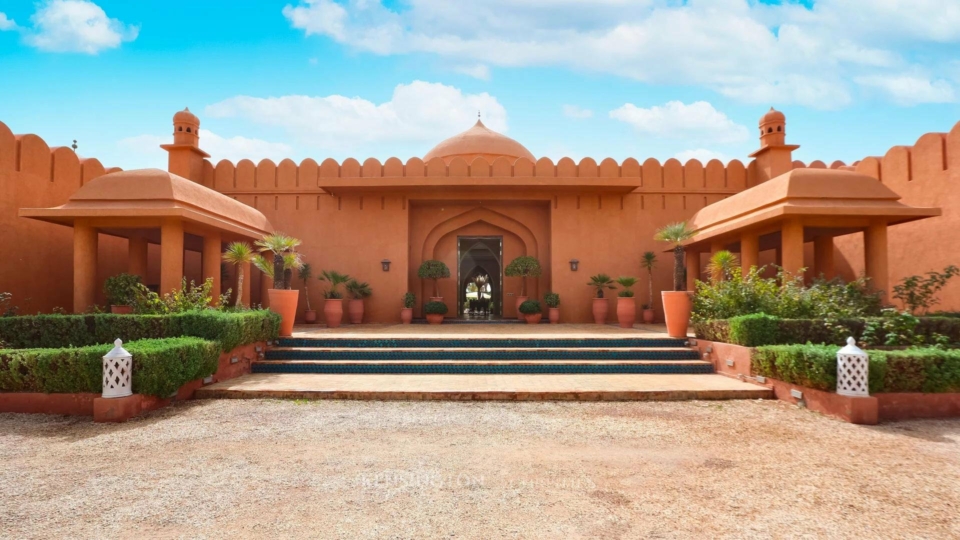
(478, 141)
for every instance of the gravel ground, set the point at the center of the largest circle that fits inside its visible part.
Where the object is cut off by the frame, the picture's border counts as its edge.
(338, 469)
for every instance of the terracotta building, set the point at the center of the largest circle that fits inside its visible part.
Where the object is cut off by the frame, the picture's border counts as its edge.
(475, 201)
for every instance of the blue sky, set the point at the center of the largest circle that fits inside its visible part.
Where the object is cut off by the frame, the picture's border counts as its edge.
(359, 78)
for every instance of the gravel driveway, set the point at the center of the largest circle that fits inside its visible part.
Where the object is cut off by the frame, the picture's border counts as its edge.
(332, 469)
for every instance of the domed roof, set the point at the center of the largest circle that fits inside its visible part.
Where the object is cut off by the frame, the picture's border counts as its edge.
(186, 117)
(773, 116)
(478, 141)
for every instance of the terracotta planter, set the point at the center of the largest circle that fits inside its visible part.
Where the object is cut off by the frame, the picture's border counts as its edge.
(284, 302)
(406, 315)
(355, 310)
(600, 308)
(533, 318)
(648, 316)
(676, 309)
(554, 315)
(626, 311)
(121, 310)
(520, 300)
(333, 312)
(434, 318)
(310, 316)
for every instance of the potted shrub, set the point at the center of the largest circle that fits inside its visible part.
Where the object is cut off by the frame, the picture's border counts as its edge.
(552, 300)
(523, 267)
(435, 311)
(282, 299)
(530, 310)
(120, 291)
(626, 303)
(676, 303)
(239, 254)
(600, 307)
(435, 270)
(648, 262)
(333, 303)
(406, 313)
(358, 291)
(305, 273)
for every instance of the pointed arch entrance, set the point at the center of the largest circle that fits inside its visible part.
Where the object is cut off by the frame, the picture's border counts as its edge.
(480, 263)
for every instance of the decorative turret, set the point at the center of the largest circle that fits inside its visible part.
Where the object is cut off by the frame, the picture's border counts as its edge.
(775, 156)
(186, 157)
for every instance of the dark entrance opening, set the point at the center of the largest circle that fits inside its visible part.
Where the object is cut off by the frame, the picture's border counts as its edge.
(479, 277)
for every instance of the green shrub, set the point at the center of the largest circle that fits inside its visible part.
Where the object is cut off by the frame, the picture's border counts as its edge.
(754, 330)
(409, 300)
(160, 366)
(551, 299)
(919, 293)
(530, 307)
(435, 308)
(121, 289)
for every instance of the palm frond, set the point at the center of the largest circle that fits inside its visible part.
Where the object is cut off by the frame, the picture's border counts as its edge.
(238, 253)
(675, 233)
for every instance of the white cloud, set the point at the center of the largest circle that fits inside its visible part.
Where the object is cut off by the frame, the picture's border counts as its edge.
(698, 121)
(146, 148)
(5, 23)
(910, 89)
(417, 112)
(76, 26)
(477, 71)
(573, 111)
(702, 155)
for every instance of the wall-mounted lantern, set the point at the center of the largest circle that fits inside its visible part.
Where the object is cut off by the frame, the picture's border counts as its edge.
(386, 265)
(574, 264)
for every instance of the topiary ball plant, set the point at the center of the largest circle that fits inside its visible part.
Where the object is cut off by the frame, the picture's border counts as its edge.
(530, 307)
(435, 270)
(435, 308)
(523, 267)
(121, 289)
(552, 300)
(409, 300)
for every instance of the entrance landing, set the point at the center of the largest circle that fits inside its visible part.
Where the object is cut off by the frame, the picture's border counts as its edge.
(573, 331)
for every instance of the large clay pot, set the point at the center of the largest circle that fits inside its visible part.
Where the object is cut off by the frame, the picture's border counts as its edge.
(648, 316)
(626, 311)
(520, 300)
(676, 309)
(533, 318)
(310, 316)
(554, 315)
(355, 309)
(434, 318)
(600, 308)
(333, 312)
(406, 315)
(284, 302)
(121, 310)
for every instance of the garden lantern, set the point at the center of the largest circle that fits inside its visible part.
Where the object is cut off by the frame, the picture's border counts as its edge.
(117, 368)
(852, 371)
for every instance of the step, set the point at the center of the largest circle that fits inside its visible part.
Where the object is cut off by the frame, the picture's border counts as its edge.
(486, 366)
(337, 354)
(449, 343)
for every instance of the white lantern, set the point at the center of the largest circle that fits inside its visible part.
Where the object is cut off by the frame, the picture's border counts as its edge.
(852, 371)
(117, 372)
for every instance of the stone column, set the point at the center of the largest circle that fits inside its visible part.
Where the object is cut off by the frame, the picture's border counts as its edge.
(693, 269)
(211, 263)
(137, 257)
(749, 252)
(171, 255)
(875, 256)
(791, 244)
(823, 257)
(85, 245)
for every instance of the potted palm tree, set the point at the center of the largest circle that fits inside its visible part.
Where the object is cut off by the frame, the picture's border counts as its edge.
(626, 303)
(305, 273)
(523, 267)
(722, 265)
(600, 282)
(358, 291)
(648, 262)
(435, 270)
(121, 291)
(284, 259)
(333, 305)
(239, 254)
(435, 311)
(676, 303)
(531, 311)
(406, 313)
(552, 300)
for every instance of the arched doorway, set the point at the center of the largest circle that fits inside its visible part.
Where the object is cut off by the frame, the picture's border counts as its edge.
(479, 257)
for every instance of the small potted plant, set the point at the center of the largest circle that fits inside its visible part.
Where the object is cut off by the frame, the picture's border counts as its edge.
(305, 273)
(648, 262)
(626, 303)
(282, 299)
(600, 307)
(120, 291)
(552, 300)
(530, 310)
(333, 305)
(523, 267)
(434, 270)
(239, 254)
(358, 291)
(435, 311)
(406, 313)
(677, 304)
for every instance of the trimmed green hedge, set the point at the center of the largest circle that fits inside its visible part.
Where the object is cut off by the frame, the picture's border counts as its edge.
(54, 331)
(160, 366)
(815, 366)
(756, 330)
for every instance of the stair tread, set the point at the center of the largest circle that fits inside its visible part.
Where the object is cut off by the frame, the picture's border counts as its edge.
(486, 362)
(472, 349)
